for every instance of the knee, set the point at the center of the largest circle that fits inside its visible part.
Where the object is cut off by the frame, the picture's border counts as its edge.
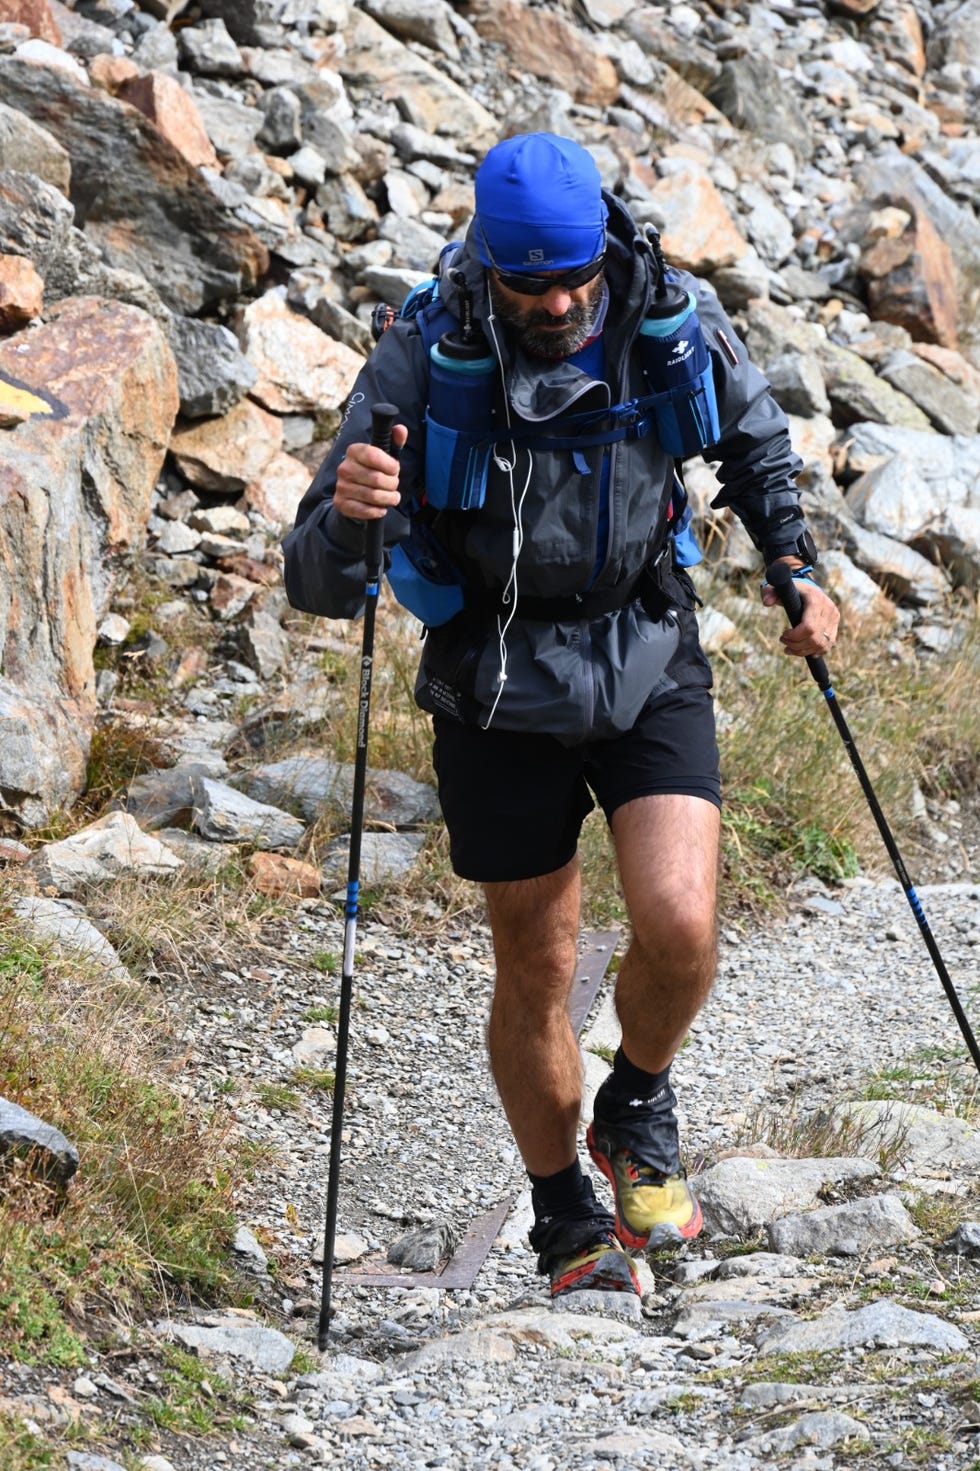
(535, 980)
(683, 934)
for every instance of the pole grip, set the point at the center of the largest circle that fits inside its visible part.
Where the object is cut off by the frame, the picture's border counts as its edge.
(383, 417)
(780, 578)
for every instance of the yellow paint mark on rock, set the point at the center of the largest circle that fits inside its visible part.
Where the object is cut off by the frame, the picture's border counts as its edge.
(18, 403)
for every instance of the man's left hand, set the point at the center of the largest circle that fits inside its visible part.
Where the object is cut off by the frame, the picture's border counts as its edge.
(816, 632)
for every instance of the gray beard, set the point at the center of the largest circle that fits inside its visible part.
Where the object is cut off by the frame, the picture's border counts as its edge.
(526, 325)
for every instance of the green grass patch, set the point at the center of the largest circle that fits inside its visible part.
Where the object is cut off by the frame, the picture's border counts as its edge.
(196, 1400)
(320, 1079)
(149, 1211)
(325, 1013)
(22, 1450)
(278, 1096)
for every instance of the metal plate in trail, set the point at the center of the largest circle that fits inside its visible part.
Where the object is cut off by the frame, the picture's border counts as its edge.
(460, 1271)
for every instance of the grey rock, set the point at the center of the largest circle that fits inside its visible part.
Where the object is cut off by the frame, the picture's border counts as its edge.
(282, 131)
(99, 853)
(89, 1461)
(42, 757)
(416, 246)
(882, 1324)
(798, 385)
(50, 1154)
(209, 50)
(224, 815)
(822, 1428)
(698, 1321)
(424, 1247)
(37, 221)
(313, 784)
(965, 1240)
(264, 643)
(25, 147)
(66, 924)
(922, 1139)
(125, 171)
(751, 93)
(904, 574)
(428, 21)
(213, 374)
(413, 143)
(232, 126)
(200, 856)
(740, 1196)
(251, 22)
(384, 857)
(757, 1264)
(246, 1245)
(852, 1229)
(951, 408)
(157, 49)
(235, 1336)
(165, 798)
(625, 1307)
(314, 292)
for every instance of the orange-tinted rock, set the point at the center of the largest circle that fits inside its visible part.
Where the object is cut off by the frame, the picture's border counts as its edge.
(911, 281)
(170, 108)
(300, 368)
(135, 195)
(272, 873)
(699, 234)
(35, 15)
(110, 72)
(21, 292)
(279, 489)
(548, 46)
(227, 454)
(76, 484)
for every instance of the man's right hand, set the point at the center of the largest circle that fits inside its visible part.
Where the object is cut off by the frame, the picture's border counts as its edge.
(367, 479)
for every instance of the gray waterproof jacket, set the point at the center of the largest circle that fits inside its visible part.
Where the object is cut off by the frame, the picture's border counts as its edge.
(579, 674)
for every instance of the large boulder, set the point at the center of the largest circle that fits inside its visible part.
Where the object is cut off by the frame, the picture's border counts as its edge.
(135, 194)
(97, 389)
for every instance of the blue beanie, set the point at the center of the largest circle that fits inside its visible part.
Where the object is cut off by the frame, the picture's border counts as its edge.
(539, 205)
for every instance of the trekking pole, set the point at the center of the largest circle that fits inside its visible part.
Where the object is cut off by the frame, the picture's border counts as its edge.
(780, 578)
(383, 417)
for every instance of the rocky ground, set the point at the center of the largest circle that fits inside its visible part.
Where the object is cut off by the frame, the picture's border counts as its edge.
(827, 1317)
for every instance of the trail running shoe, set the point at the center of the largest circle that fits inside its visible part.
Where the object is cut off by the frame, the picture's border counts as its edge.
(600, 1266)
(634, 1143)
(577, 1249)
(652, 1209)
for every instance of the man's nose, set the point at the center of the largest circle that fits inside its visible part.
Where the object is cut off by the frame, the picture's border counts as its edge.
(557, 301)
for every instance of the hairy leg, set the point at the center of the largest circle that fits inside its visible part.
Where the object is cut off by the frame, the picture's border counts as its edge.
(534, 1054)
(667, 849)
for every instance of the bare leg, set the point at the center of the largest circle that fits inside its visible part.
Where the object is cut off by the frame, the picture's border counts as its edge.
(667, 847)
(534, 1055)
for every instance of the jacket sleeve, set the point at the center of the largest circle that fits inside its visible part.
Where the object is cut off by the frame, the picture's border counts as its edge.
(324, 568)
(757, 463)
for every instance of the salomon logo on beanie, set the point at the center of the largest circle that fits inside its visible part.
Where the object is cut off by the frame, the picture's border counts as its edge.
(539, 205)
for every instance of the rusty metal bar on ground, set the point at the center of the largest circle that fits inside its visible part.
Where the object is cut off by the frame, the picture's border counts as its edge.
(460, 1271)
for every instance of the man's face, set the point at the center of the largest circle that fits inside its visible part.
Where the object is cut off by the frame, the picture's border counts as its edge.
(553, 325)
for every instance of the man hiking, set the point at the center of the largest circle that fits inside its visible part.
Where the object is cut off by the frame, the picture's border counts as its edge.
(567, 668)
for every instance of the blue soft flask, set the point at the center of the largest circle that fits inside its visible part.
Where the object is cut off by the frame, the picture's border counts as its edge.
(459, 417)
(677, 366)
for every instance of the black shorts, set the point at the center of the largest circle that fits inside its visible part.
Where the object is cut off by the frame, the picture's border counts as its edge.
(514, 802)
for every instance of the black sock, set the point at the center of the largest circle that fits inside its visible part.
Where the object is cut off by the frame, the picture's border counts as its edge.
(554, 1194)
(627, 1078)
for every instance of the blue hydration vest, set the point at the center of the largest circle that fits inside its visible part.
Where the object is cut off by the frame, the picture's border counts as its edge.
(421, 572)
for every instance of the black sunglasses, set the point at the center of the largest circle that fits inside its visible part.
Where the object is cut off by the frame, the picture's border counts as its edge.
(538, 285)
